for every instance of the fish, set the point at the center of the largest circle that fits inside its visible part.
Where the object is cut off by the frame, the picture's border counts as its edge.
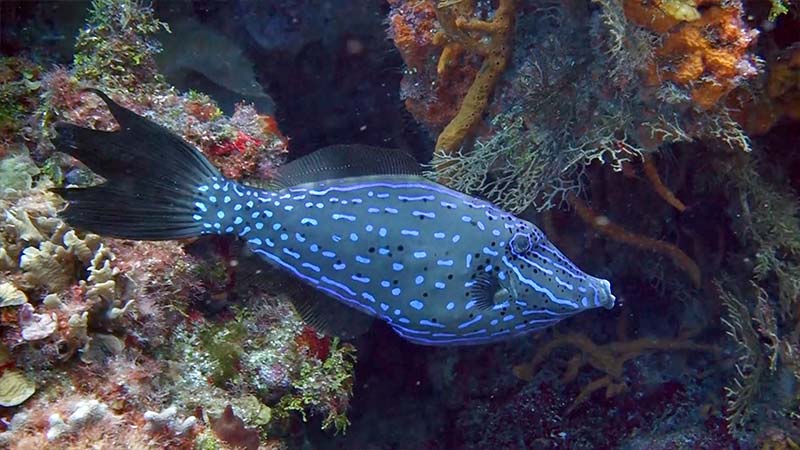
(360, 225)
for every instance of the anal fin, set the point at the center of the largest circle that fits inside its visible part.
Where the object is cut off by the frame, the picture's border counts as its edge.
(329, 316)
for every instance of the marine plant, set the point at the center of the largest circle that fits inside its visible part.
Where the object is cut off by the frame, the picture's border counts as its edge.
(116, 48)
(324, 386)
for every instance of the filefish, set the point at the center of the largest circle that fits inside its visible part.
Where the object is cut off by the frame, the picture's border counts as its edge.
(359, 224)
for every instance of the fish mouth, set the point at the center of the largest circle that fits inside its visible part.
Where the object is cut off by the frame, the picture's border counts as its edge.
(607, 299)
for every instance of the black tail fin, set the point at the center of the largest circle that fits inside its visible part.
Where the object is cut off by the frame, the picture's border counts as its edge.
(152, 179)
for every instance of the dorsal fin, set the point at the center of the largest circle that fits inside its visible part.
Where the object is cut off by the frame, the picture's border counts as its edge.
(342, 161)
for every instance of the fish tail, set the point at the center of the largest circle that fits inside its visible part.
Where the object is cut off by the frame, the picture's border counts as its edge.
(153, 179)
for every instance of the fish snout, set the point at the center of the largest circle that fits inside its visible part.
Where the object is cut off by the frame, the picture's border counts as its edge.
(604, 296)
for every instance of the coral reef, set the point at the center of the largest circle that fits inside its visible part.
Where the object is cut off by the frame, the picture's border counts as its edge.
(538, 149)
(115, 52)
(697, 218)
(109, 341)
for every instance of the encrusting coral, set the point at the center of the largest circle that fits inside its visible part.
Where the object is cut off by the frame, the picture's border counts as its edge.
(705, 52)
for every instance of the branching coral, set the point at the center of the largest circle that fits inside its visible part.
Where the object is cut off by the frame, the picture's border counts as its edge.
(609, 359)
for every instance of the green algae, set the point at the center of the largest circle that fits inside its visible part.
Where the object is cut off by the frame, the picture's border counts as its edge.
(323, 386)
(116, 47)
(223, 343)
(207, 441)
(20, 84)
(777, 9)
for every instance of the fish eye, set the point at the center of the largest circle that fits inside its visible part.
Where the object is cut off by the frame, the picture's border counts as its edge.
(520, 243)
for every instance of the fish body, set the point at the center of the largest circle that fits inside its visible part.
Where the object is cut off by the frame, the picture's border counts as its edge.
(439, 266)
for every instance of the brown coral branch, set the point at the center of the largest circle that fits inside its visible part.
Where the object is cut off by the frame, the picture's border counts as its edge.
(490, 39)
(608, 358)
(663, 191)
(619, 234)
